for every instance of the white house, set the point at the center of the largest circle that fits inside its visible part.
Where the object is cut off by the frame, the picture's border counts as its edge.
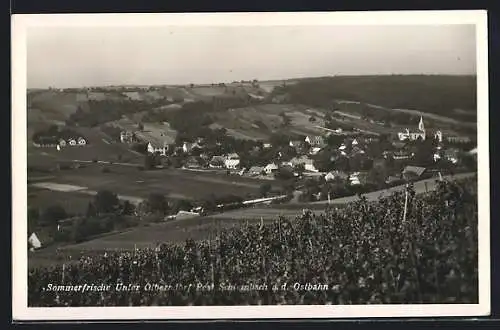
(156, 147)
(295, 143)
(315, 150)
(335, 175)
(82, 141)
(34, 241)
(438, 136)
(186, 147)
(72, 142)
(125, 137)
(315, 141)
(267, 145)
(270, 168)
(303, 160)
(354, 179)
(232, 161)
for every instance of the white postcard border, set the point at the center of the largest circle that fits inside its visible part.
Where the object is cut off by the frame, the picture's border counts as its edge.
(20, 23)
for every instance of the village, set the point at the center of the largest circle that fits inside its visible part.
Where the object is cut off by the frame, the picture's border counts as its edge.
(349, 159)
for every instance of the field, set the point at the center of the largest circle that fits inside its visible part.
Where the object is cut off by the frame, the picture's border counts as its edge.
(355, 107)
(132, 182)
(74, 203)
(259, 121)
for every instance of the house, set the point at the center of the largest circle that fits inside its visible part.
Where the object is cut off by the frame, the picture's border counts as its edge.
(357, 151)
(217, 162)
(401, 155)
(72, 142)
(126, 137)
(451, 155)
(473, 153)
(295, 144)
(330, 176)
(270, 168)
(354, 179)
(303, 160)
(157, 147)
(391, 179)
(438, 135)
(458, 139)
(82, 141)
(62, 143)
(315, 150)
(232, 161)
(34, 242)
(186, 147)
(192, 162)
(255, 170)
(315, 141)
(413, 135)
(267, 145)
(413, 172)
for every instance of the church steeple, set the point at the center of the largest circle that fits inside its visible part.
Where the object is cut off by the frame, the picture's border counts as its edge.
(421, 124)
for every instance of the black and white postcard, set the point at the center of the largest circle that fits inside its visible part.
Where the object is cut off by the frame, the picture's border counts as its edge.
(250, 165)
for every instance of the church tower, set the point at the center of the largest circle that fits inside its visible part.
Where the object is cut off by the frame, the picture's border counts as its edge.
(421, 125)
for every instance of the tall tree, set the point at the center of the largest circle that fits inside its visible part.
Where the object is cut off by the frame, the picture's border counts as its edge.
(157, 203)
(52, 214)
(106, 201)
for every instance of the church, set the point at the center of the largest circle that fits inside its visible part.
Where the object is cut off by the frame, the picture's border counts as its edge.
(413, 136)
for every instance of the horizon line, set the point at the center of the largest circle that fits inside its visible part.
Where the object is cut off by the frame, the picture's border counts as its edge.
(258, 80)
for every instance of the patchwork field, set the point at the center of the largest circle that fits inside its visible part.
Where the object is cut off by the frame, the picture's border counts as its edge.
(259, 121)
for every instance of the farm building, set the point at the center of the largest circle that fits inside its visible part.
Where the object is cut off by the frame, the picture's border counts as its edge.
(217, 162)
(401, 155)
(330, 176)
(303, 160)
(458, 139)
(255, 170)
(34, 242)
(270, 168)
(357, 178)
(232, 161)
(315, 141)
(295, 143)
(413, 172)
(157, 147)
(267, 145)
(126, 137)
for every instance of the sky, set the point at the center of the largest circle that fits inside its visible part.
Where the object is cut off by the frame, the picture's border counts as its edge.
(65, 57)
